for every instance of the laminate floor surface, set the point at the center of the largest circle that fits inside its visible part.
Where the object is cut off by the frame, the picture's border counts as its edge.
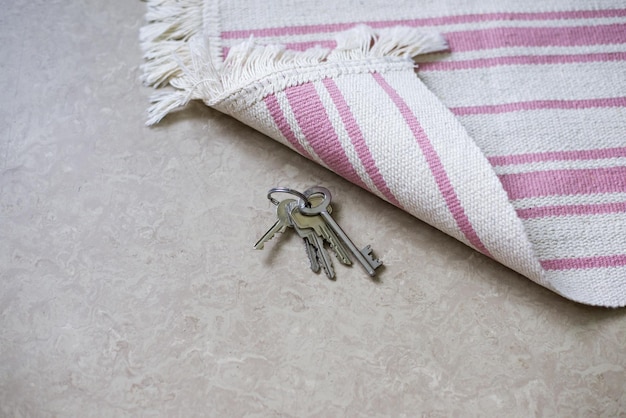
(129, 286)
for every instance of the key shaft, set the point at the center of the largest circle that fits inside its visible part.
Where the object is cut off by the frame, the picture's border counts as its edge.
(278, 227)
(322, 255)
(283, 222)
(311, 253)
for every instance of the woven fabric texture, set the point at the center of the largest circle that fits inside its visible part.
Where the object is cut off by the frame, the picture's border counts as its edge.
(512, 140)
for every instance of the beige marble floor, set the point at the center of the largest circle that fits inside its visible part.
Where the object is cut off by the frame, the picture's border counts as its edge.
(130, 286)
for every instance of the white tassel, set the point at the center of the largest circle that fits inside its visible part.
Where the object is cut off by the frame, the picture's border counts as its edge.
(189, 68)
(170, 26)
(164, 103)
(363, 42)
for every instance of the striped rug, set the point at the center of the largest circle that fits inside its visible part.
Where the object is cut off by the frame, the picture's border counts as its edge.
(512, 139)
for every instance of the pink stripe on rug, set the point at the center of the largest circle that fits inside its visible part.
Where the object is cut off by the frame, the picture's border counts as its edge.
(564, 182)
(279, 119)
(319, 132)
(436, 167)
(303, 46)
(604, 261)
(571, 210)
(521, 60)
(356, 136)
(539, 105)
(592, 154)
(471, 40)
(428, 21)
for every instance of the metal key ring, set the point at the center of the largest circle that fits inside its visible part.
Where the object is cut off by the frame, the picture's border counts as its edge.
(304, 199)
(312, 191)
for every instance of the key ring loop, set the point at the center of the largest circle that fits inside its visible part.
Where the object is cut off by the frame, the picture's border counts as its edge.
(312, 191)
(304, 199)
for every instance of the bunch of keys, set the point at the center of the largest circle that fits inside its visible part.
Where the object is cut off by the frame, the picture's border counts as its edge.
(310, 217)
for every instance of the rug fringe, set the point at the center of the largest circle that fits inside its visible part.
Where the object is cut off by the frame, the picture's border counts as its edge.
(398, 41)
(190, 70)
(170, 25)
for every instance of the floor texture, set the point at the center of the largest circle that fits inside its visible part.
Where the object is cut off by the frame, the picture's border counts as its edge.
(130, 286)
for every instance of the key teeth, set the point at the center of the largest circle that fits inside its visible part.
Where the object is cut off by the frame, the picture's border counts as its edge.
(260, 245)
(330, 273)
(332, 240)
(326, 267)
(367, 253)
(312, 256)
(343, 259)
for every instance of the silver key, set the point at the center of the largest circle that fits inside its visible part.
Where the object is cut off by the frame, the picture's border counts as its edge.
(311, 252)
(315, 240)
(369, 263)
(282, 223)
(320, 227)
